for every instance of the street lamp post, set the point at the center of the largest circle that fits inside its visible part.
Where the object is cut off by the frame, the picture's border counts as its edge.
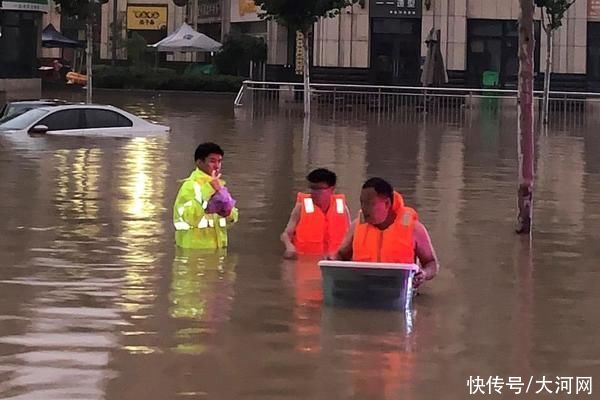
(115, 31)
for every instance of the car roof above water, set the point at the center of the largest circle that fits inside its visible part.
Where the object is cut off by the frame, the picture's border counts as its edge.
(40, 101)
(83, 105)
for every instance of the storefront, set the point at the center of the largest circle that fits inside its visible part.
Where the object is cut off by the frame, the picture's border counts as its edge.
(20, 24)
(20, 35)
(493, 47)
(395, 42)
(593, 55)
(593, 45)
(209, 18)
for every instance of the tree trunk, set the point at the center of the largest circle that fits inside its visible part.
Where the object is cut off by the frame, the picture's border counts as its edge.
(306, 57)
(88, 58)
(525, 117)
(549, 50)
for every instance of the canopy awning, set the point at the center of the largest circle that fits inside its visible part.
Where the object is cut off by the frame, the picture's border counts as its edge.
(434, 71)
(51, 38)
(186, 39)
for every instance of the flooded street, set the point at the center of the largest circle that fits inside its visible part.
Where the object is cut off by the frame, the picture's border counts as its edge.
(97, 303)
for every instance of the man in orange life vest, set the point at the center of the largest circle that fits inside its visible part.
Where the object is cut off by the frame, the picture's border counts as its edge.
(388, 231)
(320, 219)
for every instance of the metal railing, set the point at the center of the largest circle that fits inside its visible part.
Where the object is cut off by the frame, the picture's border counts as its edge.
(395, 101)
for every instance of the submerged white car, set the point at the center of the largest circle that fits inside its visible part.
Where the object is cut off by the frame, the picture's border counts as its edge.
(82, 120)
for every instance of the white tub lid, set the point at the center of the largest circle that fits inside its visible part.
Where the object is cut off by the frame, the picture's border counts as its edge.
(367, 265)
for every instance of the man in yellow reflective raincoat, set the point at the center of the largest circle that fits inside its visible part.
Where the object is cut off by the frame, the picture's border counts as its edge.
(198, 226)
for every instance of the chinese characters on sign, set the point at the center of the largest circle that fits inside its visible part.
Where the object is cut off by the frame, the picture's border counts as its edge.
(209, 9)
(396, 8)
(152, 18)
(568, 385)
(25, 5)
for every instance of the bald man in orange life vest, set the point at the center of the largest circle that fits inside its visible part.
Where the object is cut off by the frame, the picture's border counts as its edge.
(387, 231)
(320, 219)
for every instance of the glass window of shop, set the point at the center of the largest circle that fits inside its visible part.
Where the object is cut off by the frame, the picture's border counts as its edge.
(493, 46)
(258, 28)
(395, 51)
(593, 54)
(19, 44)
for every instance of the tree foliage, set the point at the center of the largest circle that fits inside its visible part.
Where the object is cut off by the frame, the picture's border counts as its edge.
(555, 12)
(81, 9)
(237, 52)
(136, 49)
(300, 15)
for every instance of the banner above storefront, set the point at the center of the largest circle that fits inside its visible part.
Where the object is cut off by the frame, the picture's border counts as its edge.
(396, 8)
(25, 5)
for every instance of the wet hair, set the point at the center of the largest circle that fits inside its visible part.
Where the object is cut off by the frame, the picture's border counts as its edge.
(322, 175)
(206, 149)
(381, 187)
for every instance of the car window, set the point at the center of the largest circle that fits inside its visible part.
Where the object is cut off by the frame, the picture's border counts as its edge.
(10, 109)
(10, 116)
(20, 108)
(105, 119)
(22, 121)
(62, 120)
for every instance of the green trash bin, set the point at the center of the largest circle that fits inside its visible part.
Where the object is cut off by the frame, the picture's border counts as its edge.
(490, 79)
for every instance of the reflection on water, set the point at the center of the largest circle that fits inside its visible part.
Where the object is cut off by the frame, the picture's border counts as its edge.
(201, 290)
(97, 302)
(303, 278)
(376, 351)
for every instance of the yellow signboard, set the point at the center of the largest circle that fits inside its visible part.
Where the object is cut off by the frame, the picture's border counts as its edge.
(247, 7)
(149, 18)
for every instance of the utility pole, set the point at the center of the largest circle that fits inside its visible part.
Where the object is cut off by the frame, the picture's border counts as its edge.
(225, 18)
(0, 17)
(192, 20)
(115, 30)
(89, 36)
(89, 54)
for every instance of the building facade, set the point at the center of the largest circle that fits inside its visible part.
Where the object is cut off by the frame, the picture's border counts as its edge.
(384, 42)
(153, 20)
(477, 35)
(377, 41)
